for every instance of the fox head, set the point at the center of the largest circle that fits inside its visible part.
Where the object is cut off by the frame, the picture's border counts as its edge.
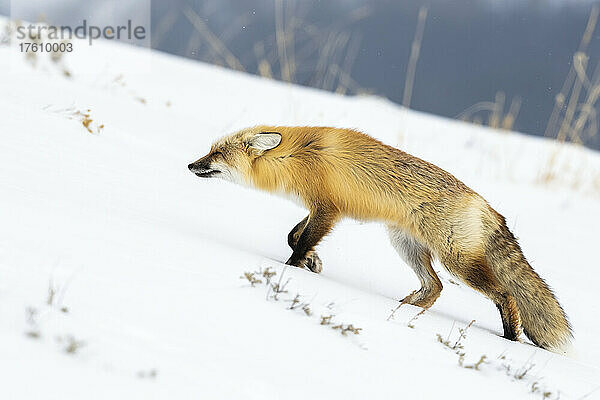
(231, 157)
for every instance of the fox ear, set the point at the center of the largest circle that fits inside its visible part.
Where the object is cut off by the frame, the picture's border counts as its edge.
(265, 141)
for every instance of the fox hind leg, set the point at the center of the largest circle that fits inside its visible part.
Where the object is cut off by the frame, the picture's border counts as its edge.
(511, 321)
(479, 276)
(418, 257)
(506, 305)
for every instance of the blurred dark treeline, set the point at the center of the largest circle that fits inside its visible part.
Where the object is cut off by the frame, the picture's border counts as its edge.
(502, 63)
(490, 53)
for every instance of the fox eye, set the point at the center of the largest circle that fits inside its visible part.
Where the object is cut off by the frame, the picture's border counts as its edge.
(218, 153)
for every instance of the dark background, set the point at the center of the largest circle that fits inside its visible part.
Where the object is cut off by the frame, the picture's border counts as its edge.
(471, 49)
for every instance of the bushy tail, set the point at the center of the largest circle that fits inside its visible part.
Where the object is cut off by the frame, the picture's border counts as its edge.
(542, 318)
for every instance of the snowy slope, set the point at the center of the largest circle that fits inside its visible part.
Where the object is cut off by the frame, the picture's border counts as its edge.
(146, 258)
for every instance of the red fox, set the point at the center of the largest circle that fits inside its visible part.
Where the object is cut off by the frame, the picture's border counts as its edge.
(429, 213)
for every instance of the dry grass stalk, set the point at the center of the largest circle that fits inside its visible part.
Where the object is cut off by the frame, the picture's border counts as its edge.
(249, 276)
(574, 119)
(475, 366)
(509, 119)
(150, 374)
(264, 66)
(213, 41)
(71, 345)
(344, 329)
(296, 302)
(328, 53)
(33, 332)
(345, 81)
(414, 57)
(570, 115)
(497, 109)
(461, 336)
(413, 319)
(51, 293)
(290, 39)
(337, 48)
(281, 39)
(496, 119)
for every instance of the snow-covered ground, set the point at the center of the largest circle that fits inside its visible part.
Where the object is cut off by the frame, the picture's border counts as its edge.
(145, 259)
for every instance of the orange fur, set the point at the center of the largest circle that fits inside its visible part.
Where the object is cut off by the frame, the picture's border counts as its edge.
(344, 173)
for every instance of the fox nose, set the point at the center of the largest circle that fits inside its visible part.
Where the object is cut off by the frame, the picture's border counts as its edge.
(197, 166)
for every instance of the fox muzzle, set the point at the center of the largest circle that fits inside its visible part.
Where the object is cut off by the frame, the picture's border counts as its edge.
(203, 169)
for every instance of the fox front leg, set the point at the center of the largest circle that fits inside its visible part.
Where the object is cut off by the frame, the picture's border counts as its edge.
(313, 262)
(306, 235)
(295, 233)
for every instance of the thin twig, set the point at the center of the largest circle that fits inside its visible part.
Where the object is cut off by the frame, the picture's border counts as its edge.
(414, 57)
(213, 41)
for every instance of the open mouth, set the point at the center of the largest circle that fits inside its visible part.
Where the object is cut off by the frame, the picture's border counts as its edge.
(207, 174)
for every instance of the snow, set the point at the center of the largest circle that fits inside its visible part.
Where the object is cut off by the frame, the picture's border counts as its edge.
(146, 258)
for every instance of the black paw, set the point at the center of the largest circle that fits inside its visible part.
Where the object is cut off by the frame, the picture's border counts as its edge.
(311, 262)
(314, 263)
